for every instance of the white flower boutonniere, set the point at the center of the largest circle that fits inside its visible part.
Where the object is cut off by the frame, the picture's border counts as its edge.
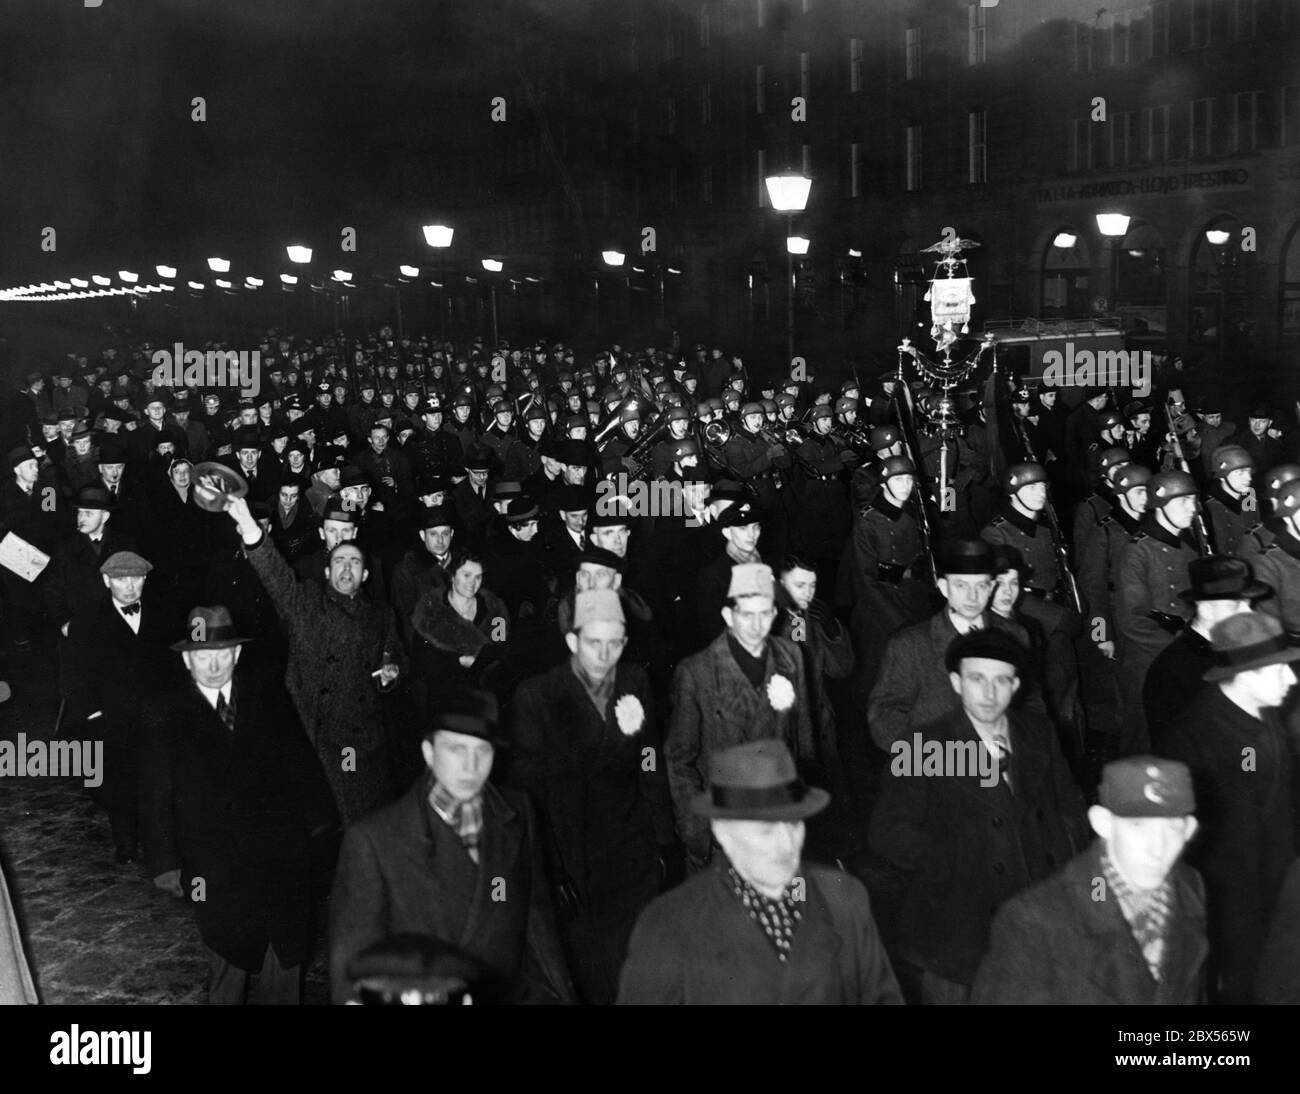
(630, 714)
(780, 693)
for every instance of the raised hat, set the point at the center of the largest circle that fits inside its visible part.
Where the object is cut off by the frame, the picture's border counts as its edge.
(214, 485)
(751, 579)
(125, 564)
(1146, 786)
(210, 629)
(758, 781)
(1245, 641)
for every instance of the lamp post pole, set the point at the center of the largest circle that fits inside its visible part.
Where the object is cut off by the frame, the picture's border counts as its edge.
(789, 284)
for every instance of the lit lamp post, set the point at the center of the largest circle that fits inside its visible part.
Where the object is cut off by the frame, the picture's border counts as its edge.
(439, 237)
(1218, 239)
(789, 195)
(494, 266)
(299, 255)
(614, 260)
(1114, 226)
(408, 273)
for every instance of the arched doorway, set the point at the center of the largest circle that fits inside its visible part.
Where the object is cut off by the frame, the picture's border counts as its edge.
(1067, 266)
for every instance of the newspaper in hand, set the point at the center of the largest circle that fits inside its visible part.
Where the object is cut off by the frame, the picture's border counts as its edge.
(20, 557)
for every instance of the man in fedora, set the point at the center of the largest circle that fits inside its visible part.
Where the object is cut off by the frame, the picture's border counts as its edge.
(225, 772)
(996, 814)
(745, 685)
(1123, 922)
(470, 497)
(912, 687)
(75, 581)
(1239, 754)
(457, 859)
(760, 925)
(1221, 587)
(114, 661)
(512, 561)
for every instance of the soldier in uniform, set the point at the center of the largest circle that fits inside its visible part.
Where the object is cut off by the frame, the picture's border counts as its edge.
(1021, 525)
(662, 454)
(1148, 610)
(1277, 562)
(433, 451)
(823, 516)
(1231, 509)
(885, 441)
(1089, 512)
(755, 459)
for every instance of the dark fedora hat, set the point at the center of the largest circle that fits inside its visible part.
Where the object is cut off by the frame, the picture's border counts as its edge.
(1222, 577)
(967, 556)
(472, 712)
(758, 781)
(210, 629)
(94, 497)
(1245, 641)
(521, 510)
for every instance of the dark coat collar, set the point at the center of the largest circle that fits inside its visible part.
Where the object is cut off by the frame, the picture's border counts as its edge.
(884, 506)
(1150, 526)
(1027, 525)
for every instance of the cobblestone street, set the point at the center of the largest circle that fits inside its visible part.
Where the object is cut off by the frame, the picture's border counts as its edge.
(95, 932)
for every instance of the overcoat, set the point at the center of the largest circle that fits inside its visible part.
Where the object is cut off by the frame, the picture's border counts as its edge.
(1056, 944)
(697, 945)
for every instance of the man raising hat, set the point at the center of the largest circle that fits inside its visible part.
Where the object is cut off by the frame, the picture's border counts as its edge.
(744, 686)
(222, 812)
(455, 858)
(1239, 754)
(760, 926)
(1124, 922)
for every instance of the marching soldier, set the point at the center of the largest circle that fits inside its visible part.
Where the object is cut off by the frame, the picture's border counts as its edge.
(1230, 506)
(1101, 502)
(823, 517)
(662, 454)
(1277, 563)
(1148, 610)
(756, 459)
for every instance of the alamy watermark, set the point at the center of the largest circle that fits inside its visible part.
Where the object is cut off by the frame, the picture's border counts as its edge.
(179, 367)
(59, 759)
(919, 757)
(1100, 368)
(638, 498)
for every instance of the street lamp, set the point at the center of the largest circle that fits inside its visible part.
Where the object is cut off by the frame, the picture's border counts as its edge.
(613, 258)
(440, 236)
(219, 265)
(166, 271)
(1115, 227)
(789, 195)
(1217, 236)
(299, 254)
(409, 271)
(288, 279)
(1065, 240)
(103, 282)
(128, 278)
(493, 265)
(797, 245)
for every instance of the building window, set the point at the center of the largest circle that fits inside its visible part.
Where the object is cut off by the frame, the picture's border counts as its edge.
(1200, 135)
(805, 75)
(806, 160)
(1081, 48)
(1159, 28)
(1243, 19)
(706, 103)
(760, 13)
(1121, 37)
(855, 169)
(855, 64)
(1157, 134)
(762, 176)
(1079, 145)
(706, 28)
(912, 55)
(1245, 118)
(976, 27)
(1198, 27)
(760, 89)
(1122, 139)
(706, 185)
(1289, 118)
(977, 160)
(914, 177)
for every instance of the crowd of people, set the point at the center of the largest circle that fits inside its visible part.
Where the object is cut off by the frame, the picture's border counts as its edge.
(634, 677)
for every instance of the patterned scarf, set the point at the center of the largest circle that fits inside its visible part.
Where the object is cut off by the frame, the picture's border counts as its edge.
(777, 919)
(742, 557)
(465, 818)
(1146, 912)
